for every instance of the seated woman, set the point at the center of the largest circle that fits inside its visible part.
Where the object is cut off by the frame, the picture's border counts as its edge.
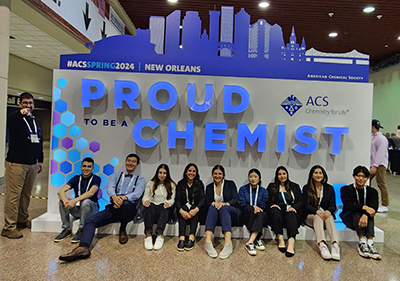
(253, 199)
(319, 211)
(158, 198)
(284, 204)
(360, 203)
(188, 201)
(222, 203)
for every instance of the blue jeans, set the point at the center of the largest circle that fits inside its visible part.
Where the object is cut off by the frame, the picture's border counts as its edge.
(225, 213)
(86, 209)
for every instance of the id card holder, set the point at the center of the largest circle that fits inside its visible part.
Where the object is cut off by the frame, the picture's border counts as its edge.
(288, 206)
(188, 205)
(34, 138)
(78, 203)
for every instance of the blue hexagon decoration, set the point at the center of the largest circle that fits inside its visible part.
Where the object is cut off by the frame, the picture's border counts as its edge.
(56, 94)
(108, 169)
(82, 144)
(62, 82)
(104, 195)
(65, 167)
(57, 179)
(60, 106)
(54, 142)
(77, 168)
(69, 177)
(59, 155)
(75, 131)
(96, 169)
(104, 181)
(102, 204)
(114, 162)
(74, 155)
(87, 154)
(59, 130)
(68, 118)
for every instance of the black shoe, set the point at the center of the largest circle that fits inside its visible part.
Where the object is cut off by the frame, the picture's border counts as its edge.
(289, 254)
(77, 237)
(282, 249)
(64, 234)
(190, 245)
(181, 245)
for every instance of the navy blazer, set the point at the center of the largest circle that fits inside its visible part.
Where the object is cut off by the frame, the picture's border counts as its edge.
(328, 202)
(229, 193)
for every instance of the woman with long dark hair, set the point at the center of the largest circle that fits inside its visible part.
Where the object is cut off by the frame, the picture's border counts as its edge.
(158, 198)
(188, 201)
(284, 204)
(253, 199)
(222, 202)
(319, 211)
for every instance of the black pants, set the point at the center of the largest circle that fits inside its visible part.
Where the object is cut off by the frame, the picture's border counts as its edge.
(351, 220)
(254, 222)
(278, 219)
(183, 223)
(155, 214)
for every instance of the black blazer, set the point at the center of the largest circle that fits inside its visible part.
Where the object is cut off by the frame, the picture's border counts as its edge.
(274, 198)
(351, 204)
(179, 199)
(328, 202)
(229, 194)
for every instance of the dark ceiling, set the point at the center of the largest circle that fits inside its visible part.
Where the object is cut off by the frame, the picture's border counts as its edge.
(357, 30)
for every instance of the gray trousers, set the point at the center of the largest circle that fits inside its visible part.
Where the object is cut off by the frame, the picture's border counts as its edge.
(85, 210)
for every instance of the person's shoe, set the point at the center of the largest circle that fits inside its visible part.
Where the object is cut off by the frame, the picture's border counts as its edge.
(64, 234)
(374, 253)
(289, 254)
(259, 245)
(210, 250)
(226, 251)
(76, 254)
(189, 245)
(159, 243)
(12, 234)
(22, 225)
(325, 254)
(383, 209)
(282, 249)
(363, 250)
(123, 237)
(77, 237)
(181, 245)
(148, 243)
(250, 249)
(335, 249)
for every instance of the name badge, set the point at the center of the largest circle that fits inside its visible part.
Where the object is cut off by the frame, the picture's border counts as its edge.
(78, 203)
(288, 207)
(35, 138)
(188, 205)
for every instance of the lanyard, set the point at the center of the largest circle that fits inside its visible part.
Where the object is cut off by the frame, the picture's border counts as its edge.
(321, 195)
(358, 196)
(122, 184)
(187, 196)
(87, 186)
(251, 196)
(283, 195)
(29, 127)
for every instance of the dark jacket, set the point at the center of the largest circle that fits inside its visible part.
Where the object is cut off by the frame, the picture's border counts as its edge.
(351, 204)
(274, 198)
(181, 200)
(244, 196)
(229, 193)
(328, 202)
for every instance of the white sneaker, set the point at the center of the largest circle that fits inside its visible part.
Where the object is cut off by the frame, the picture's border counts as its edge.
(374, 253)
(226, 251)
(383, 209)
(148, 243)
(259, 245)
(335, 252)
(159, 243)
(250, 249)
(210, 250)
(326, 255)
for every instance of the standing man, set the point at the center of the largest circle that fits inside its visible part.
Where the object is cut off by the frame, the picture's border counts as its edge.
(83, 205)
(24, 161)
(379, 163)
(124, 189)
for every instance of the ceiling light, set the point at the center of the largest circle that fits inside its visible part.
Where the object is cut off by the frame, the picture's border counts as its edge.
(180, 27)
(369, 9)
(172, 1)
(41, 98)
(398, 38)
(333, 34)
(263, 4)
(180, 46)
(379, 17)
(330, 14)
(386, 46)
(28, 46)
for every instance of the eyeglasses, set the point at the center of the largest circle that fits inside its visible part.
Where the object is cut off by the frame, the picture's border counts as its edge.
(86, 166)
(28, 102)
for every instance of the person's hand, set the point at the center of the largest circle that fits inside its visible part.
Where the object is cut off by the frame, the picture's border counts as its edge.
(26, 111)
(71, 203)
(320, 214)
(373, 170)
(369, 210)
(40, 168)
(257, 209)
(184, 214)
(327, 214)
(363, 221)
(193, 212)
(291, 209)
(147, 203)
(276, 206)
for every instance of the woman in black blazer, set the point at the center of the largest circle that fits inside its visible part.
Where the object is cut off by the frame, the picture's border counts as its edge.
(319, 211)
(284, 205)
(222, 202)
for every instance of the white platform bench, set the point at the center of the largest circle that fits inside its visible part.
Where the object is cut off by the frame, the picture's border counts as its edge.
(50, 222)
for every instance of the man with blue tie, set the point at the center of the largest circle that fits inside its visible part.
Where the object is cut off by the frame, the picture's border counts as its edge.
(124, 189)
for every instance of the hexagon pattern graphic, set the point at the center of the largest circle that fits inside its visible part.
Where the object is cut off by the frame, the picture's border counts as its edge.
(108, 169)
(74, 155)
(104, 181)
(114, 162)
(65, 167)
(96, 169)
(87, 154)
(56, 118)
(60, 106)
(68, 118)
(81, 143)
(57, 179)
(67, 143)
(94, 146)
(54, 142)
(59, 130)
(75, 131)
(59, 155)
(56, 94)
(77, 167)
(62, 82)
